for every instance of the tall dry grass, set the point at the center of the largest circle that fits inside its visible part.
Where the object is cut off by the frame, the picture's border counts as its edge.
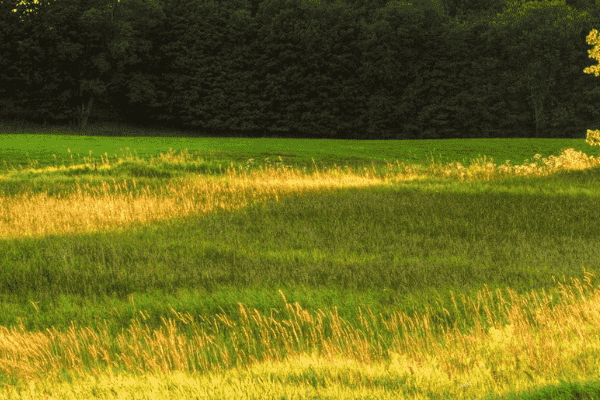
(484, 168)
(517, 341)
(114, 205)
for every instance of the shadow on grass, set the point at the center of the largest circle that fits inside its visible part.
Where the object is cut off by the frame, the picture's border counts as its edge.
(404, 246)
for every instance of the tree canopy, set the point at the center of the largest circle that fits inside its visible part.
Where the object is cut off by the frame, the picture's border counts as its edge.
(331, 68)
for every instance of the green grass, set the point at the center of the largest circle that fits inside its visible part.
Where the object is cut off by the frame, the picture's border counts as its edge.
(406, 247)
(387, 246)
(50, 147)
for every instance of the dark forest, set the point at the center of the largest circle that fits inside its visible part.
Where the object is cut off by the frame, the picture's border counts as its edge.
(367, 69)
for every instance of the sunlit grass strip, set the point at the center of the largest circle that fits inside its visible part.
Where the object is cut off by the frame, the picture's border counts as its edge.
(485, 168)
(115, 205)
(518, 341)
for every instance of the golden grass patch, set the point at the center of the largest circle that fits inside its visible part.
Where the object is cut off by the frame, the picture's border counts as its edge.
(114, 205)
(267, 355)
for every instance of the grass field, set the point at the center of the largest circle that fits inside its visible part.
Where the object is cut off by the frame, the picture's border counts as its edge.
(274, 268)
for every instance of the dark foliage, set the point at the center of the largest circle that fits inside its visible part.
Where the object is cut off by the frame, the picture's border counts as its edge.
(290, 68)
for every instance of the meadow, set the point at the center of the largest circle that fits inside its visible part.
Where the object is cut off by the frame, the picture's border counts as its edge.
(156, 266)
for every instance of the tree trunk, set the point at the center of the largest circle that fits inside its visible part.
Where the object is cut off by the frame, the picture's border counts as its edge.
(86, 110)
(539, 94)
(539, 115)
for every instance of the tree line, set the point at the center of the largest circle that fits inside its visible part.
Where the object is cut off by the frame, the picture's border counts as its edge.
(373, 69)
